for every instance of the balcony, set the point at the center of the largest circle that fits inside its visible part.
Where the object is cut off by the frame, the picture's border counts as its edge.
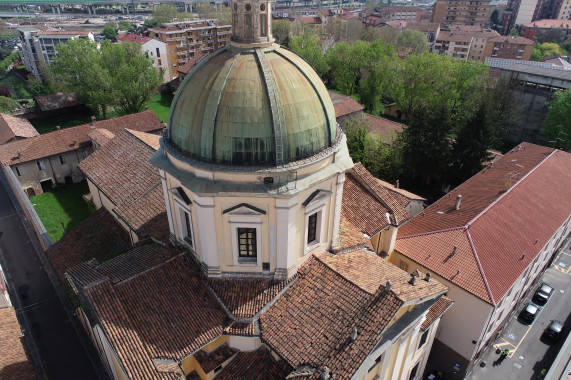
(182, 60)
(182, 53)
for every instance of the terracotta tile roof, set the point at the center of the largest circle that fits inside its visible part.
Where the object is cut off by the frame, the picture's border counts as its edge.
(310, 20)
(15, 127)
(365, 202)
(69, 139)
(150, 139)
(493, 217)
(511, 40)
(424, 27)
(465, 28)
(453, 37)
(208, 361)
(14, 362)
(189, 65)
(403, 196)
(361, 208)
(549, 24)
(144, 325)
(100, 136)
(56, 101)
(386, 128)
(254, 365)
(311, 323)
(242, 329)
(96, 237)
(344, 105)
(350, 237)
(122, 171)
(369, 271)
(436, 311)
(132, 37)
(244, 298)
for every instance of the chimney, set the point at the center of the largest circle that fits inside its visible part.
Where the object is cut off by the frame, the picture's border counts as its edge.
(427, 278)
(397, 184)
(458, 200)
(58, 127)
(458, 272)
(388, 286)
(454, 251)
(412, 281)
(19, 154)
(92, 123)
(354, 334)
(146, 108)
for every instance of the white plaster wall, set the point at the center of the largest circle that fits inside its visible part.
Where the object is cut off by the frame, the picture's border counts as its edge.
(244, 343)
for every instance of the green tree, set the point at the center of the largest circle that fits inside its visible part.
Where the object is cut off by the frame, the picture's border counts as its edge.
(375, 74)
(281, 30)
(116, 75)
(411, 42)
(345, 61)
(551, 50)
(207, 11)
(309, 48)
(495, 17)
(360, 143)
(557, 125)
(109, 30)
(124, 25)
(514, 32)
(537, 53)
(7, 104)
(165, 13)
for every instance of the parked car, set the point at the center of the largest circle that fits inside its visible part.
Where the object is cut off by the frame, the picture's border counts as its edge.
(528, 314)
(543, 293)
(554, 330)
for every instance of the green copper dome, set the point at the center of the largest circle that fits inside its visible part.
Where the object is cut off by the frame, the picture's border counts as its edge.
(251, 106)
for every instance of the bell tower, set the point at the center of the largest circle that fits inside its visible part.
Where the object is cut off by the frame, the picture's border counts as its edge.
(252, 21)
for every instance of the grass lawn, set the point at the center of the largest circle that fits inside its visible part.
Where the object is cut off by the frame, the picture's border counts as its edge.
(161, 104)
(49, 124)
(63, 205)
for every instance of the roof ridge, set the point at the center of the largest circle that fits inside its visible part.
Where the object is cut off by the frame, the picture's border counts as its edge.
(432, 232)
(480, 268)
(509, 190)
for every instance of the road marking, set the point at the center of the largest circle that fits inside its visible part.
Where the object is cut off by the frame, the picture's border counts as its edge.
(566, 271)
(8, 216)
(522, 339)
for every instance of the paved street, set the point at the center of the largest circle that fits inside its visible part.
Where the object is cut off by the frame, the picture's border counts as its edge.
(57, 346)
(529, 351)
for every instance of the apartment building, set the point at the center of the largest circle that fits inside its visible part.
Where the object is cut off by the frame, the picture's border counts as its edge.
(154, 49)
(399, 13)
(39, 46)
(547, 30)
(509, 47)
(455, 45)
(186, 39)
(460, 12)
(479, 43)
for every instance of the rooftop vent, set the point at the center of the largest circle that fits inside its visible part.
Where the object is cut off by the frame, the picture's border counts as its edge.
(458, 201)
(412, 281)
(427, 278)
(457, 271)
(58, 127)
(388, 286)
(397, 184)
(453, 253)
(354, 334)
(92, 123)
(325, 373)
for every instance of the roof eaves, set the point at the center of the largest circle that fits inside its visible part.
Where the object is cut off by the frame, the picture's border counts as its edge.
(431, 232)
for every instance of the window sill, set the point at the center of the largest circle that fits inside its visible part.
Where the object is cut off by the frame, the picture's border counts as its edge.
(311, 246)
(247, 261)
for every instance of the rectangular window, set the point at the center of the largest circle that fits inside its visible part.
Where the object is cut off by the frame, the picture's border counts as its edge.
(312, 228)
(19, 171)
(158, 52)
(247, 243)
(62, 160)
(40, 165)
(187, 229)
(263, 25)
(248, 25)
(423, 339)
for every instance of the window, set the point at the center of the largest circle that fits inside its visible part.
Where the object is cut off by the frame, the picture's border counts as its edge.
(247, 243)
(40, 165)
(312, 228)
(423, 339)
(263, 26)
(19, 171)
(158, 52)
(62, 160)
(413, 372)
(186, 227)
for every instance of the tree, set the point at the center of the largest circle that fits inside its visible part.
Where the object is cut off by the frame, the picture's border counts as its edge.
(281, 30)
(109, 30)
(411, 42)
(335, 29)
(360, 143)
(345, 61)
(5, 91)
(7, 104)
(545, 51)
(165, 13)
(123, 25)
(557, 125)
(116, 75)
(309, 48)
(375, 74)
(514, 32)
(207, 11)
(495, 17)
(297, 28)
